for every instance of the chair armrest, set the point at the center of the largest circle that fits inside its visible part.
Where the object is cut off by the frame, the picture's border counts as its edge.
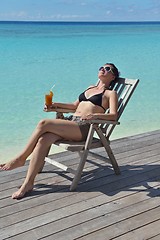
(97, 121)
(100, 121)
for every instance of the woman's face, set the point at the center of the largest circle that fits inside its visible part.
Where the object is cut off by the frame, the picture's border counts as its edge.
(105, 72)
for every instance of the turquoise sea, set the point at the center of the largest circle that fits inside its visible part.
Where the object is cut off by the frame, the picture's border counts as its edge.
(36, 55)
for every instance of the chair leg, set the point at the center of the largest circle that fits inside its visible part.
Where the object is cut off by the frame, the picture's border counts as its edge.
(108, 150)
(79, 171)
(82, 159)
(112, 159)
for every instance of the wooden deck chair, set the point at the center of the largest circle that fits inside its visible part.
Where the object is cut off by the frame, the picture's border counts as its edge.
(124, 88)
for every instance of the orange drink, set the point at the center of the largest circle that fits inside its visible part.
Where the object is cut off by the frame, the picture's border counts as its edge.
(48, 98)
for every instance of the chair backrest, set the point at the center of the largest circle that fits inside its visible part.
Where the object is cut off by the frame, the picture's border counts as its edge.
(124, 88)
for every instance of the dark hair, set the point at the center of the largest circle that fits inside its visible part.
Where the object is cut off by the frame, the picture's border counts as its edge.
(114, 70)
(116, 74)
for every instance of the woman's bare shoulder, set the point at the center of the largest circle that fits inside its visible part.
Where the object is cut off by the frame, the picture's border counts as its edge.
(110, 93)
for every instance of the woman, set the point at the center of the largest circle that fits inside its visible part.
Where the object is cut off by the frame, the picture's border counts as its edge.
(91, 104)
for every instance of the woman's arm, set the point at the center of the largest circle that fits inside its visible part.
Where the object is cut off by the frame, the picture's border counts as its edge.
(113, 106)
(72, 106)
(56, 105)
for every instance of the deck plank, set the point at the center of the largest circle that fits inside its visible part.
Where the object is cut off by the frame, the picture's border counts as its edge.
(105, 206)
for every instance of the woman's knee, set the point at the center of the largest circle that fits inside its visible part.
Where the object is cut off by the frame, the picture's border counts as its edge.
(44, 139)
(43, 123)
(48, 138)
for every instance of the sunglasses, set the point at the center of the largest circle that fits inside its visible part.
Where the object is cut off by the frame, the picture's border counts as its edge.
(107, 69)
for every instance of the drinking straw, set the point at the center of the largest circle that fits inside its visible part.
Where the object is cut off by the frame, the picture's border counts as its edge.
(52, 87)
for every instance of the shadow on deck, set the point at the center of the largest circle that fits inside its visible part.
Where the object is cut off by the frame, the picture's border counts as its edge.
(104, 206)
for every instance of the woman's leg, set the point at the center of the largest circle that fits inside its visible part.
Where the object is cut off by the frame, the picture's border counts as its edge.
(36, 162)
(66, 129)
(63, 129)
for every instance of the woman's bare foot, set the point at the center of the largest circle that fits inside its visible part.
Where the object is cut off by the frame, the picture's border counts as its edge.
(24, 189)
(12, 164)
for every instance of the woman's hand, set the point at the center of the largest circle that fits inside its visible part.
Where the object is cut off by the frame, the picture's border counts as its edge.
(50, 108)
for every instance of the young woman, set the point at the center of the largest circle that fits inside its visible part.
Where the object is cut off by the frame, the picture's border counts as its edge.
(91, 104)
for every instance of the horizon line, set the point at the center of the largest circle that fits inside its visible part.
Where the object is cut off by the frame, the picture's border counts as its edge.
(98, 21)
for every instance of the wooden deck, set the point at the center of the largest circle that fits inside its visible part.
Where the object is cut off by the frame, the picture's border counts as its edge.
(105, 206)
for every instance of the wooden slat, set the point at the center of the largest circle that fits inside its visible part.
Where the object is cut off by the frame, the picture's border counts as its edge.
(105, 206)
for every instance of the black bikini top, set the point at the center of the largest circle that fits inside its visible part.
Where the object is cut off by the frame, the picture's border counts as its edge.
(95, 99)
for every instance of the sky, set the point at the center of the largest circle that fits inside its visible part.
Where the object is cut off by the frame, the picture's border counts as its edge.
(80, 10)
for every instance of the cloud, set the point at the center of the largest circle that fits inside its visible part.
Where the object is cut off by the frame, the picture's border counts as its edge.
(80, 10)
(108, 12)
(21, 14)
(40, 16)
(13, 15)
(67, 17)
